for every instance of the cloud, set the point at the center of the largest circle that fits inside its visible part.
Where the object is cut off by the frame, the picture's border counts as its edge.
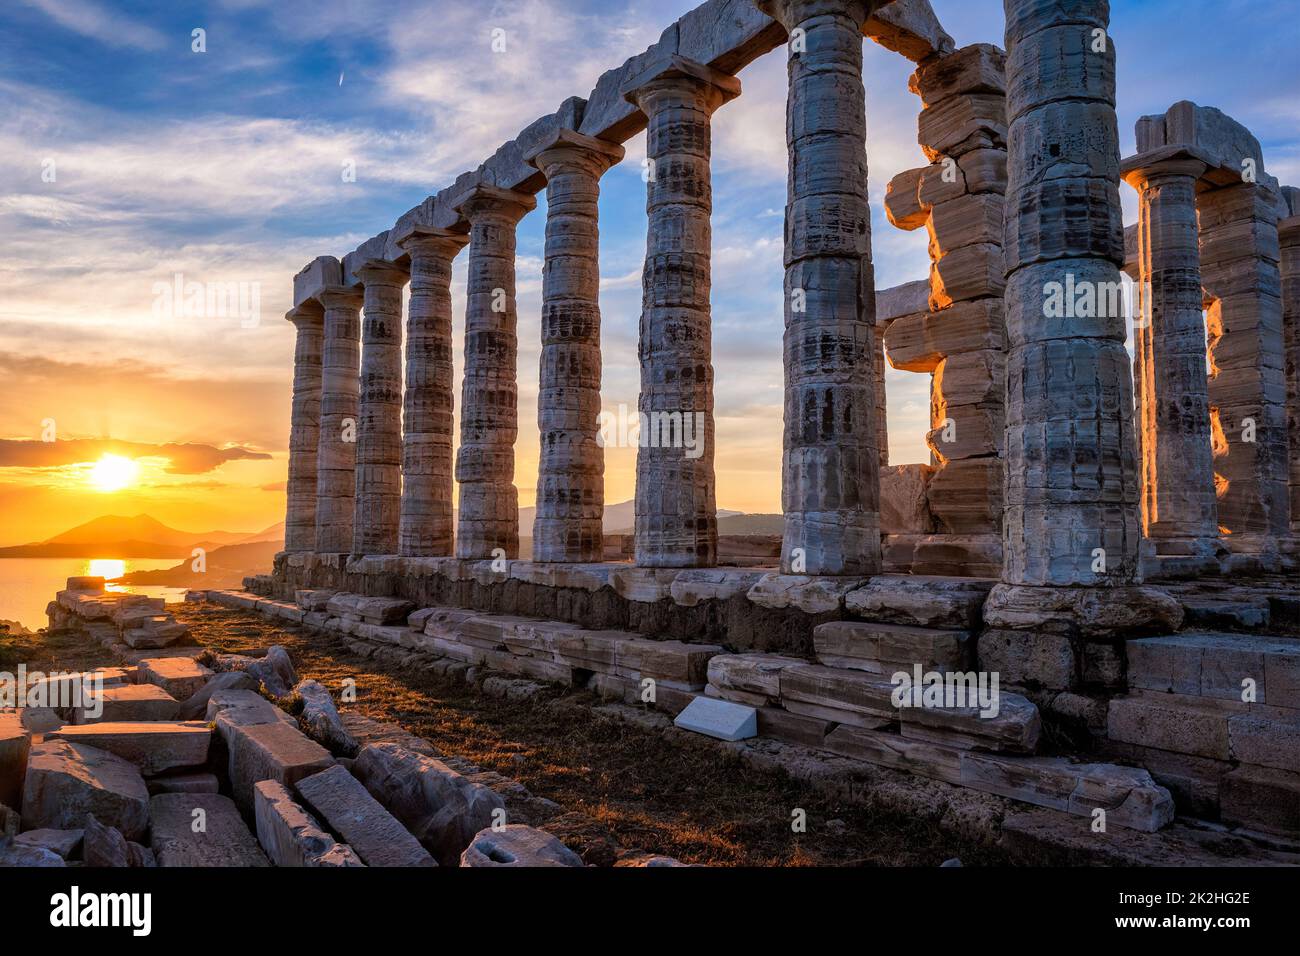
(93, 21)
(183, 458)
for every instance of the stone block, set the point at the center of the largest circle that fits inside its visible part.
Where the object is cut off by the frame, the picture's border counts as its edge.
(723, 719)
(195, 706)
(290, 836)
(1261, 799)
(129, 702)
(900, 300)
(863, 699)
(315, 277)
(200, 782)
(1183, 726)
(178, 676)
(754, 674)
(1015, 728)
(921, 601)
(979, 68)
(65, 843)
(153, 746)
(919, 342)
(517, 845)
(884, 648)
(67, 781)
(201, 829)
(15, 747)
(442, 808)
(904, 507)
(812, 595)
(1028, 659)
(793, 728)
(348, 808)
(1266, 741)
(270, 751)
(961, 123)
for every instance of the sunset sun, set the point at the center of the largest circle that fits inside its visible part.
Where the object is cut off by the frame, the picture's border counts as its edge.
(113, 473)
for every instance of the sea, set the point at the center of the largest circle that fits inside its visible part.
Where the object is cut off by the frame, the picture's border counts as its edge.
(27, 585)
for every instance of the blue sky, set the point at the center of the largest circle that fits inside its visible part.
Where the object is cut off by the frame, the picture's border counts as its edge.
(225, 166)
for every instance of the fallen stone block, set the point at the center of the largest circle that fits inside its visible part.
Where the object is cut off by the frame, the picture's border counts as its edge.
(66, 781)
(382, 610)
(153, 746)
(373, 833)
(270, 751)
(65, 843)
(321, 719)
(129, 702)
(195, 706)
(184, 783)
(722, 719)
(106, 847)
(275, 671)
(14, 854)
(201, 829)
(442, 808)
(517, 845)
(178, 676)
(15, 746)
(289, 834)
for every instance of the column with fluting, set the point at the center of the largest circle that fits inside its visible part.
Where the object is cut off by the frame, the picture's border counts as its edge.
(676, 510)
(379, 411)
(488, 522)
(1179, 510)
(426, 527)
(571, 468)
(1071, 510)
(340, 385)
(1288, 231)
(830, 480)
(304, 428)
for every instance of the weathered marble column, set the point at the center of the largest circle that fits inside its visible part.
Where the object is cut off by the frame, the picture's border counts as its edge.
(830, 480)
(426, 527)
(676, 510)
(1179, 510)
(304, 428)
(489, 405)
(379, 411)
(1288, 231)
(1072, 514)
(340, 386)
(571, 470)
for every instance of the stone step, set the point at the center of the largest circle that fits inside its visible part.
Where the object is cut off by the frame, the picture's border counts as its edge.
(1259, 798)
(1245, 613)
(838, 694)
(181, 677)
(153, 746)
(1217, 665)
(753, 679)
(1128, 795)
(129, 702)
(884, 648)
(1015, 726)
(201, 829)
(921, 600)
(1207, 728)
(350, 811)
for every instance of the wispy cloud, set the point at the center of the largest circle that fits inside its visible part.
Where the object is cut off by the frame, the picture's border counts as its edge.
(92, 20)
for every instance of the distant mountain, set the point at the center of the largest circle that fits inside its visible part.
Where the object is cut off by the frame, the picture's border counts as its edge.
(226, 568)
(141, 536)
(750, 524)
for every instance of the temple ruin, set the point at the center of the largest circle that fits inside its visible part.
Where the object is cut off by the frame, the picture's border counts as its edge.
(1111, 536)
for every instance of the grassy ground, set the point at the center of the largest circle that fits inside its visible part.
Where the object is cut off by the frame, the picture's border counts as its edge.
(630, 786)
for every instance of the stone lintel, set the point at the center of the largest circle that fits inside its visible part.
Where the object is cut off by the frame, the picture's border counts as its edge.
(610, 153)
(321, 272)
(484, 191)
(679, 67)
(1173, 160)
(372, 248)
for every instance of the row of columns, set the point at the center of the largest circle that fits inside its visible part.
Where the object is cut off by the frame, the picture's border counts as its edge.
(380, 490)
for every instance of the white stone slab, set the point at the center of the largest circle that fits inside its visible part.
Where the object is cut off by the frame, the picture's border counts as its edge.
(719, 718)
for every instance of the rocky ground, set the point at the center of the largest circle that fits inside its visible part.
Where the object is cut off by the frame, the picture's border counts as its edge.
(618, 785)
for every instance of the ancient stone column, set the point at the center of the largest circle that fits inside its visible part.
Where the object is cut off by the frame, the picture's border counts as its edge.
(571, 470)
(1288, 230)
(304, 428)
(489, 406)
(1071, 515)
(830, 481)
(426, 527)
(340, 385)
(379, 411)
(1179, 510)
(676, 512)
